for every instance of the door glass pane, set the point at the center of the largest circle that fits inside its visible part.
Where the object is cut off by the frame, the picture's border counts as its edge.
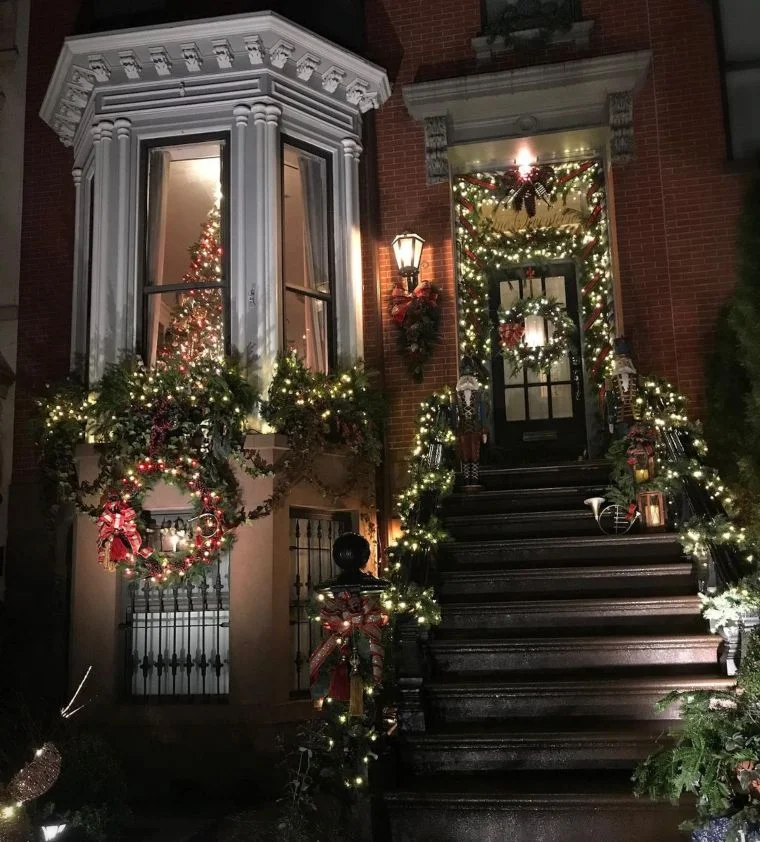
(183, 234)
(555, 288)
(561, 370)
(536, 376)
(306, 328)
(509, 292)
(185, 325)
(305, 253)
(515, 404)
(538, 402)
(562, 402)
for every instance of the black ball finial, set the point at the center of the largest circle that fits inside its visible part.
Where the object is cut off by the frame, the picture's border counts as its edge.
(351, 552)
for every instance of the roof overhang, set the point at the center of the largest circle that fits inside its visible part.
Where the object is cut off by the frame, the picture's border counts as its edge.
(211, 50)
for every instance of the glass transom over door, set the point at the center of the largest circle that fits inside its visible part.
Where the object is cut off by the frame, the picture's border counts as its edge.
(538, 416)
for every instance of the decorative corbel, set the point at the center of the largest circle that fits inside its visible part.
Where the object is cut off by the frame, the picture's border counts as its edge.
(620, 107)
(436, 150)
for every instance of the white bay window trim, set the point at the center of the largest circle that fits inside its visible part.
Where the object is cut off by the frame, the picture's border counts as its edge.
(112, 93)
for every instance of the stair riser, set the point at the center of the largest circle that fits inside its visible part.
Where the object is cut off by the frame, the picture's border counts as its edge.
(564, 476)
(665, 580)
(586, 618)
(517, 527)
(534, 822)
(557, 553)
(541, 500)
(474, 706)
(506, 758)
(474, 661)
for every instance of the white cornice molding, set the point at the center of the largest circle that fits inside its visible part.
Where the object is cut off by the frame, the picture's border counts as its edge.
(216, 48)
(529, 101)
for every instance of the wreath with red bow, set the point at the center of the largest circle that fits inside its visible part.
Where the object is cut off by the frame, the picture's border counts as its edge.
(557, 340)
(417, 315)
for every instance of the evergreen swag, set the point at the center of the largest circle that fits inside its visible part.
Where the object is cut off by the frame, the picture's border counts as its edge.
(715, 753)
(417, 316)
(185, 423)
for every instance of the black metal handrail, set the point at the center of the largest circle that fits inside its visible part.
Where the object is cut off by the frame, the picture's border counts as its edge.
(725, 562)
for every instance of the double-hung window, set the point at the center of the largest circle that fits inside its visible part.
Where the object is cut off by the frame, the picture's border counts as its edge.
(184, 300)
(307, 256)
(739, 25)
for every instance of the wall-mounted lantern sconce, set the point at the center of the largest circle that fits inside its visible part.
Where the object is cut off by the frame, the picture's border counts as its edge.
(407, 249)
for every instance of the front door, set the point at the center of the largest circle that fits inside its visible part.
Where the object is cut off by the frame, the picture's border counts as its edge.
(538, 416)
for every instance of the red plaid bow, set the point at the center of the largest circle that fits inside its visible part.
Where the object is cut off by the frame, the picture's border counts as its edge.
(343, 615)
(118, 535)
(401, 300)
(511, 333)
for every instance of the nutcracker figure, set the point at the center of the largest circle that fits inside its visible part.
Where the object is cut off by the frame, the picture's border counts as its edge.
(621, 388)
(470, 423)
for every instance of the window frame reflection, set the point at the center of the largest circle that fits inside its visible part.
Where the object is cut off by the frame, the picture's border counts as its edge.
(328, 298)
(146, 286)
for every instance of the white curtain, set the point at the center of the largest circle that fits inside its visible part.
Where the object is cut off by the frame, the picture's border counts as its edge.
(316, 275)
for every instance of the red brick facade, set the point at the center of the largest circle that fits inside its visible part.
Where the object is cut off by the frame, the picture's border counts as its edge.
(675, 205)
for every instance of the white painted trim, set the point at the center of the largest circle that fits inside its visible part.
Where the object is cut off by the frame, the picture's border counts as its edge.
(529, 100)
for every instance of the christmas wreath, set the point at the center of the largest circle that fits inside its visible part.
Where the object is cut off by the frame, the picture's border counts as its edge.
(417, 316)
(515, 349)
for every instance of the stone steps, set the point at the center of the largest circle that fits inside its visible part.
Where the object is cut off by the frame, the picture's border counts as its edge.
(478, 656)
(523, 524)
(488, 701)
(641, 579)
(521, 499)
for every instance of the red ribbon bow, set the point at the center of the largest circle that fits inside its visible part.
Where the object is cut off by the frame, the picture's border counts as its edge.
(511, 334)
(401, 300)
(345, 614)
(118, 535)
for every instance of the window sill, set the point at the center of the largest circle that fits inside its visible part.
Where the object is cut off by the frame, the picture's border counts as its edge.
(487, 49)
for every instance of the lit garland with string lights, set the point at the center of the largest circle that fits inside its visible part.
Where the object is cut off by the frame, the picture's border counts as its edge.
(512, 331)
(343, 745)
(484, 249)
(182, 423)
(659, 406)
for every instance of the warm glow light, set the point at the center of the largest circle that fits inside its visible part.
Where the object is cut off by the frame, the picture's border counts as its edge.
(407, 248)
(52, 831)
(534, 331)
(525, 162)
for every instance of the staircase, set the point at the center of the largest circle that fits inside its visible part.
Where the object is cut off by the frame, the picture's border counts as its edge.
(556, 642)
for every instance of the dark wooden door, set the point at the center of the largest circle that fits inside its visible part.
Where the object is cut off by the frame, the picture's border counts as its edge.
(538, 417)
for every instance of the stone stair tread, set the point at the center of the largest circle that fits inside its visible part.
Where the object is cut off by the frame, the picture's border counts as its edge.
(527, 517)
(576, 642)
(675, 567)
(665, 625)
(558, 729)
(538, 686)
(572, 603)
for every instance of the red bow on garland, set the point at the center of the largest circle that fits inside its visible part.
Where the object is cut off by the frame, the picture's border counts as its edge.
(118, 536)
(343, 615)
(511, 334)
(522, 189)
(401, 300)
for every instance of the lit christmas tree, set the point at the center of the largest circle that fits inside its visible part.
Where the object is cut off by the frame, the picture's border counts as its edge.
(196, 330)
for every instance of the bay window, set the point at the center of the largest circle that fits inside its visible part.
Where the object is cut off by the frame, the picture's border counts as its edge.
(223, 215)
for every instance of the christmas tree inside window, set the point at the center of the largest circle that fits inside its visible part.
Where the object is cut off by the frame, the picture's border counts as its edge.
(184, 297)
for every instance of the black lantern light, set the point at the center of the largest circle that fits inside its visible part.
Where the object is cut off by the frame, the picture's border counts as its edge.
(407, 249)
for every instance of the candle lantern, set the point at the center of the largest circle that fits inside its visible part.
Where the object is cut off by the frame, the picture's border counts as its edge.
(652, 508)
(641, 463)
(535, 335)
(173, 535)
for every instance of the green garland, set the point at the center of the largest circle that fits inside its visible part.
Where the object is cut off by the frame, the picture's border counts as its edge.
(343, 747)
(715, 752)
(557, 346)
(485, 250)
(185, 424)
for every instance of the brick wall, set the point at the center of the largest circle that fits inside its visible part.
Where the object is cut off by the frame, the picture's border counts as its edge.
(676, 204)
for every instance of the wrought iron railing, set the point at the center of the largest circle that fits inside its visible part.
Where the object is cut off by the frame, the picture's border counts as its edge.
(177, 637)
(312, 534)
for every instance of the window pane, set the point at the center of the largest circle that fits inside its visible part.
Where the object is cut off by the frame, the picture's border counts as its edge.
(562, 402)
(538, 402)
(305, 252)
(743, 88)
(183, 236)
(185, 325)
(515, 404)
(740, 22)
(306, 328)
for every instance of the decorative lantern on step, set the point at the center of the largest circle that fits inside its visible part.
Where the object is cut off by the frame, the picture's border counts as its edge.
(349, 609)
(652, 508)
(640, 453)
